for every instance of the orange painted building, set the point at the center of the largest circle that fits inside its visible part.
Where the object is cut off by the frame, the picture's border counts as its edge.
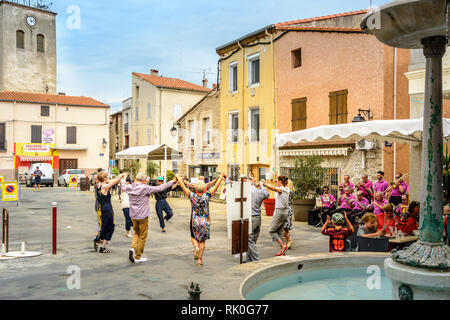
(326, 70)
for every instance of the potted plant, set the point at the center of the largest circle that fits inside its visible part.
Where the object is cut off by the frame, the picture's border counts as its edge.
(152, 169)
(307, 177)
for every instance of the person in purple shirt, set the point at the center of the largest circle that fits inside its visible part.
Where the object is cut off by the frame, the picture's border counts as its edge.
(360, 207)
(345, 184)
(345, 202)
(366, 187)
(328, 205)
(139, 194)
(379, 203)
(381, 185)
(401, 188)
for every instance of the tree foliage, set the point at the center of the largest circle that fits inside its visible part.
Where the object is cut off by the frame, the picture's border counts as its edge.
(307, 176)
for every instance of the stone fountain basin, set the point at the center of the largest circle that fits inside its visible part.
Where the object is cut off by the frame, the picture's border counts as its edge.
(403, 23)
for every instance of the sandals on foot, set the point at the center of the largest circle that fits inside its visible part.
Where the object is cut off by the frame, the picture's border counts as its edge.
(105, 250)
(200, 264)
(95, 245)
(196, 253)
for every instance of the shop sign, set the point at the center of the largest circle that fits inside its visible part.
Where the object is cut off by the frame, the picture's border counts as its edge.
(48, 136)
(209, 156)
(36, 148)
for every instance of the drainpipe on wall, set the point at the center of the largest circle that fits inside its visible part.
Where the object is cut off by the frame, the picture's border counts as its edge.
(395, 108)
(275, 126)
(243, 106)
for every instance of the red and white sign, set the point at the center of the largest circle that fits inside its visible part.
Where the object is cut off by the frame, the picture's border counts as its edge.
(36, 148)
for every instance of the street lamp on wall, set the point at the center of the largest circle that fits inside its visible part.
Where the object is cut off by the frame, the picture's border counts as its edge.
(173, 131)
(104, 143)
(360, 118)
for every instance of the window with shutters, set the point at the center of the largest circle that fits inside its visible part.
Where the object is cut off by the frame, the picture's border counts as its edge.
(71, 135)
(254, 124)
(36, 134)
(299, 114)
(20, 39)
(45, 111)
(338, 106)
(253, 70)
(234, 125)
(296, 56)
(3, 136)
(191, 133)
(40, 39)
(233, 76)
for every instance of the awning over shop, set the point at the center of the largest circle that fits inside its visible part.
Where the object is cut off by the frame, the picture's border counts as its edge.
(155, 152)
(403, 131)
(34, 159)
(330, 152)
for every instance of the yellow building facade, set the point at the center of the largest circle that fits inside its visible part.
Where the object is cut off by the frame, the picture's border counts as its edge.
(247, 105)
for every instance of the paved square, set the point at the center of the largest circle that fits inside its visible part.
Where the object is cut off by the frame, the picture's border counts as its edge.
(166, 275)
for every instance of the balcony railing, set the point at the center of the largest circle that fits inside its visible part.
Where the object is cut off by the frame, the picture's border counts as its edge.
(125, 127)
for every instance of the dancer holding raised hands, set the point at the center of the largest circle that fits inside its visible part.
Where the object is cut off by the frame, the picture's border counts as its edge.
(200, 215)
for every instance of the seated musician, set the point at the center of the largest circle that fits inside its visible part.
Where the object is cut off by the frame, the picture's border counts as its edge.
(360, 207)
(328, 202)
(379, 203)
(366, 186)
(402, 208)
(346, 201)
(410, 221)
(345, 184)
(398, 189)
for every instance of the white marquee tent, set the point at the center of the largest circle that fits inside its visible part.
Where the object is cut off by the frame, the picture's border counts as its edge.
(159, 152)
(403, 131)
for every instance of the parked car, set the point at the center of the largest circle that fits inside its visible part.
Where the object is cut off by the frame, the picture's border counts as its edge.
(63, 179)
(48, 175)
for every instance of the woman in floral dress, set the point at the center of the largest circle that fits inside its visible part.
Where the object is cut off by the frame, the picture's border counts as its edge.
(200, 215)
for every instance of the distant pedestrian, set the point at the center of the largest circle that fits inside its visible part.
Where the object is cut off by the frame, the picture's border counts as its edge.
(139, 194)
(97, 208)
(104, 200)
(37, 174)
(200, 215)
(259, 194)
(288, 226)
(125, 204)
(162, 205)
(276, 229)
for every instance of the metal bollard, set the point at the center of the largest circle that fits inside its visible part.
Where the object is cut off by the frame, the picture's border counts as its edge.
(5, 229)
(194, 292)
(54, 228)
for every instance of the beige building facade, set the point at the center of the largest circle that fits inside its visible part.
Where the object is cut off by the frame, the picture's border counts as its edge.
(157, 102)
(67, 132)
(199, 138)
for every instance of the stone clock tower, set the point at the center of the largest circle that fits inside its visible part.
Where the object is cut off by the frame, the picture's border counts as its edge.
(27, 48)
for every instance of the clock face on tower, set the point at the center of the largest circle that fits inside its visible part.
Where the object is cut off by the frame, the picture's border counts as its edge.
(31, 21)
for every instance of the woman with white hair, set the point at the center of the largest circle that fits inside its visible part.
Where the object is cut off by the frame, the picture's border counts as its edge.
(200, 215)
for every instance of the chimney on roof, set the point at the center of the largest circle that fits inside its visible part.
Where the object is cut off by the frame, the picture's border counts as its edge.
(154, 72)
(61, 93)
(214, 85)
(205, 83)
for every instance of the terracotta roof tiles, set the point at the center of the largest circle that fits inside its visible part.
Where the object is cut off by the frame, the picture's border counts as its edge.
(173, 83)
(321, 18)
(12, 96)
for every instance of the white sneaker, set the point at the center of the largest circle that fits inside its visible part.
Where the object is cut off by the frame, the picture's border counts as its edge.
(141, 260)
(132, 255)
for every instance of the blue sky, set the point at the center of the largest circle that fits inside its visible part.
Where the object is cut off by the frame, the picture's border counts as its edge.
(176, 37)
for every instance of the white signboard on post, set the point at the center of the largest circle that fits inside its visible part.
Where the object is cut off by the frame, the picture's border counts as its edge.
(234, 208)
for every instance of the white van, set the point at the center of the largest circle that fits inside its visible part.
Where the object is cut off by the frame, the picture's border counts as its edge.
(48, 175)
